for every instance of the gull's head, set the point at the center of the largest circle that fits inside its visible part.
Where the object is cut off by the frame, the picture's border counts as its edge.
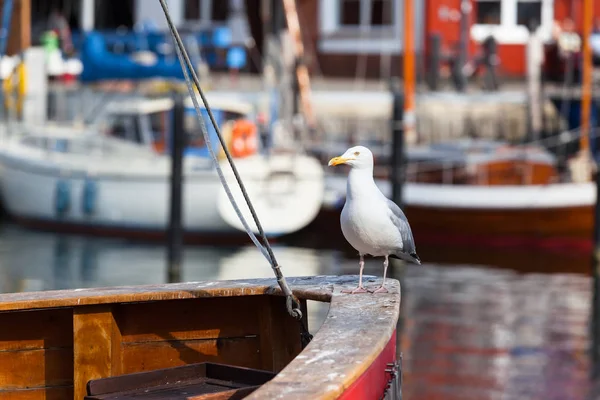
(356, 157)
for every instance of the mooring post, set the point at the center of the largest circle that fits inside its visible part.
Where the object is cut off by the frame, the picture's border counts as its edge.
(397, 125)
(175, 233)
(463, 46)
(595, 317)
(435, 60)
(295, 100)
(534, 54)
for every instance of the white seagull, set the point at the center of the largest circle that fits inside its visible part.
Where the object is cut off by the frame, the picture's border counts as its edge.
(371, 222)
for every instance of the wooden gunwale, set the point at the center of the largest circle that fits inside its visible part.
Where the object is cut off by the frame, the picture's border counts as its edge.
(356, 331)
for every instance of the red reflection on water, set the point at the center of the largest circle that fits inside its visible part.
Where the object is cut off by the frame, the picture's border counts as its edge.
(475, 333)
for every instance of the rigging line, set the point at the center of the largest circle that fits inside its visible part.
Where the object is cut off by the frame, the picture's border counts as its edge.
(218, 167)
(293, 305)
(210, 149)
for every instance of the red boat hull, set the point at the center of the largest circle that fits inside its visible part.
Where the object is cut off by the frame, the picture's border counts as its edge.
(373, 382)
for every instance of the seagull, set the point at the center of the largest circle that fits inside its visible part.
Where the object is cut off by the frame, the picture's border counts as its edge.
(370, 222)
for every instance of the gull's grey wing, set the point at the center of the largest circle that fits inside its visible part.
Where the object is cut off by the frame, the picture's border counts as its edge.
(408, 242)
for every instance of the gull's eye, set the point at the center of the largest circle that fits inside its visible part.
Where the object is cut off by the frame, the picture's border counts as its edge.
(356, 153)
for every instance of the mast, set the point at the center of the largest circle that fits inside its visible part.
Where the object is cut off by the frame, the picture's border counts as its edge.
(409, 72)
(302, 76)
(88, 9)
(586, 84)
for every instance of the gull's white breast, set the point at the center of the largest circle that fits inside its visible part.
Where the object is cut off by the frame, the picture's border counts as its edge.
(367, 226)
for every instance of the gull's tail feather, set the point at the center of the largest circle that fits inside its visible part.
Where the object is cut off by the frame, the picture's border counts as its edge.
(412, 257)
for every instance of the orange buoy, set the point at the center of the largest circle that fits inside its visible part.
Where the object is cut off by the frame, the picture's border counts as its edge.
(244, 138)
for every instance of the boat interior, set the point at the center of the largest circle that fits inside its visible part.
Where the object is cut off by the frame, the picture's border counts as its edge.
(149, 122)
(134, 126)
(466, 162)
(481, 162)
(66, 343)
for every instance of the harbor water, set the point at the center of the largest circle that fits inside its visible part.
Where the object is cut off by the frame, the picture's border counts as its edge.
(468, 331)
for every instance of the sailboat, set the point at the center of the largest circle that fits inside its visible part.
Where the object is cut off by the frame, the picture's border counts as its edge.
(111, 177)
(116, 182)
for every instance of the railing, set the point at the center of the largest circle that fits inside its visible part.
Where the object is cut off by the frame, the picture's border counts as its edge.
(562, 146)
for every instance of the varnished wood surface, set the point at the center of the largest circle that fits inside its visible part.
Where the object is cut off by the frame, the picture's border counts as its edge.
(195, 381)
(36, 353)
(19, 37)
(96, 349)
(560, 228)
(61, 339)
(492, 173)
(309, 288)
(355, 332)
(557, 222)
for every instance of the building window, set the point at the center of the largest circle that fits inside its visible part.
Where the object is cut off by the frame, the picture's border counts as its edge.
(219, 10)
(381, 12)
(529, 12)
(206, 11)
(349, 12)
(192, 10)
(365, 13)
(508, 20)
(488, 12)
(360, 26)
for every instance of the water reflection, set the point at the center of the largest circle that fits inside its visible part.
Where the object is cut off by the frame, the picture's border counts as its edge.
(495, 334)
(469, 332)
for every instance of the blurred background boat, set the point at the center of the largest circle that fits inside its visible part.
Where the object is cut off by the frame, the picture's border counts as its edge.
(113, 178)
(489, 193)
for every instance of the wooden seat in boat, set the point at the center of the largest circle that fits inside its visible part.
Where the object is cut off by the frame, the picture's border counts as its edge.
(53, 343)
(206, 381)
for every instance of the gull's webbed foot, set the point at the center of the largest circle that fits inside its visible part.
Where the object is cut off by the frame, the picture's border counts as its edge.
(381, 289)
(359, 289)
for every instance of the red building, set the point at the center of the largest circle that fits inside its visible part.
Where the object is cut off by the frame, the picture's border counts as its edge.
(361, 38)
(342, 33)
(506, 21)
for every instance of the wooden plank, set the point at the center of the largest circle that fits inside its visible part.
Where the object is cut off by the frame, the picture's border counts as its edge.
(372, 383)
(96, 346)
(310, 288)
(19, 37)
(354, 334)
(233, 394)
(191, 380)
(302, 74)
(189, 319)
(54, 393)
(563, 222)
(36, 329)
(154, 378)
(149, 356)
(22, 369)
(279, 334)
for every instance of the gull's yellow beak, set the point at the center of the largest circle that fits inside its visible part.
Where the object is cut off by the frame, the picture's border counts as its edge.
(337, 161)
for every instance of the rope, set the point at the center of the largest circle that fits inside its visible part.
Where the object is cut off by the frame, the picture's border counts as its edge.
(292, 304)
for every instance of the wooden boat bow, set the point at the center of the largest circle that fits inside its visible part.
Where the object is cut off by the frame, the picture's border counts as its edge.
(86, 334)
(355, 333)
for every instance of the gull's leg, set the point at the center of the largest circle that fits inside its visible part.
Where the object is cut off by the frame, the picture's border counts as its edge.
(360, 288)
(382, 288)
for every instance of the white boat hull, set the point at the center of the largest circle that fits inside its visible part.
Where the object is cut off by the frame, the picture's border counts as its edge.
(475, 197)
(134, 195)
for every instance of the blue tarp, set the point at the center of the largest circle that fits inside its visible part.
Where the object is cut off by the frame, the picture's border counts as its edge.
(99, 63)
(214, 45)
